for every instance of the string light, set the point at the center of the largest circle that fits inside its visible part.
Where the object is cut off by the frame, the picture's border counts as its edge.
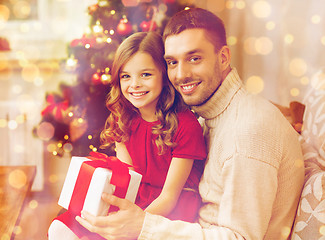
(97, 28)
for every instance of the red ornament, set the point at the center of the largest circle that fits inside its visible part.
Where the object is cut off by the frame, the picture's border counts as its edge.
(169, 1)
(75, 42)
(130, 3)
(147, 26)
(92, 8)
(124, 27)
(96, 78)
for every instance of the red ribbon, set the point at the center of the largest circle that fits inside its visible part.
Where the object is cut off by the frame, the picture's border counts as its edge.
(53, 106)
(120, 178)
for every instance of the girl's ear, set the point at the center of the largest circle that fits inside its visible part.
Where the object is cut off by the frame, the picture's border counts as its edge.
(225, 57)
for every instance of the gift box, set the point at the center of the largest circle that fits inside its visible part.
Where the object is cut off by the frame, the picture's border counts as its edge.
(88, 177)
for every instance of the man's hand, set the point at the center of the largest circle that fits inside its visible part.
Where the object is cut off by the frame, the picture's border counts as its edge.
(124, 224)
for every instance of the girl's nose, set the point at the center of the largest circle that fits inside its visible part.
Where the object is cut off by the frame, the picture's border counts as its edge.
(135, 82)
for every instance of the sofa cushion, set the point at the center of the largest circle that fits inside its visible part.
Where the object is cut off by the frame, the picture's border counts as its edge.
(314, 119)
(310, 218)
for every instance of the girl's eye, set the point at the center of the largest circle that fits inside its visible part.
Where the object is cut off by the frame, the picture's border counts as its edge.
(124, 76)
(146, 74)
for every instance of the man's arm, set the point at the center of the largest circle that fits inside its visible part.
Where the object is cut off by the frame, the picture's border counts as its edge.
(131, 222)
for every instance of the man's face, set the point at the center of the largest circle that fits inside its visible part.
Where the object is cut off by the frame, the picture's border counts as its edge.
(193, 65)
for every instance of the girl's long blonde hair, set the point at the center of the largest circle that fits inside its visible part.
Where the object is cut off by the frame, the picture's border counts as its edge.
(118, 123)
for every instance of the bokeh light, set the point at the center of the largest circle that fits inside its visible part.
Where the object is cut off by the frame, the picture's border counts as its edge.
(254, 84)
(21, 9)
(53, 178)
(240, 4)
(33, 204)
(285, 232)
(4, 14)
(17, 230)
(51, 147)
(5, 236)
(230, 4)
(263, 45)
(297, 67)
(294, 92)
(304, 80)
(67, 147)
(17, 178)
(3, 123)
(261, 9)
(16, 89)
(270, 25)
(323, 40)
(12, 124)
(232, 40)
(45, 131)
(322, 230)
(288, 38)
(315, 19)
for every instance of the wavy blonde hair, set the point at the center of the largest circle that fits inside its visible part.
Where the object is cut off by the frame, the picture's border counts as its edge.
(118, 123)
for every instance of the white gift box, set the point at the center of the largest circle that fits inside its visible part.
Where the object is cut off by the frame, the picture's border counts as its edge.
(100, 183)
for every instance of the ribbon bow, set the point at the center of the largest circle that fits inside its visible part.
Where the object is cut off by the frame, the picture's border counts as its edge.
(54, 107)
(115, 165)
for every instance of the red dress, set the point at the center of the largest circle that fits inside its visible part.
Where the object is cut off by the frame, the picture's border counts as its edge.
(154, 167)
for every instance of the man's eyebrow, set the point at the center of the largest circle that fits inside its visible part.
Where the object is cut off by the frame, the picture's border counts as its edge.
(194, 51)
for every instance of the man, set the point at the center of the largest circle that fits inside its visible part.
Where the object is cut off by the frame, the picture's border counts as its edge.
(253, 176)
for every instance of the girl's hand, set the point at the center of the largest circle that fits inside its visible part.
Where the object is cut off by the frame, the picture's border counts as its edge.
(124, 224)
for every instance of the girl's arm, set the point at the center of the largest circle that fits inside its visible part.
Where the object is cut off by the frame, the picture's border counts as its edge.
(178, 172)
(123, 154)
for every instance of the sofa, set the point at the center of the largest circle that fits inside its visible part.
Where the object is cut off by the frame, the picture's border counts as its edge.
(310, 218)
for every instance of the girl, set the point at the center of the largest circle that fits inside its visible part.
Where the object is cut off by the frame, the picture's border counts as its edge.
(153, 130)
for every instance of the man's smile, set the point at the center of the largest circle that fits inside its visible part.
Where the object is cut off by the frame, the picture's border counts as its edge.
(188, 88)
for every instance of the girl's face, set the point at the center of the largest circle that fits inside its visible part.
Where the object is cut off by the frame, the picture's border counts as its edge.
(141, 84)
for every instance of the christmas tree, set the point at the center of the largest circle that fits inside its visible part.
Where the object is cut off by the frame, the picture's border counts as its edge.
(75, 115)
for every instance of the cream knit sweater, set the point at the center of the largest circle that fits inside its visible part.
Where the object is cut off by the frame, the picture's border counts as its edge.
(253, 175)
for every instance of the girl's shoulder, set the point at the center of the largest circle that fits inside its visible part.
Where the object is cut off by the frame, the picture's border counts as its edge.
(186, 115)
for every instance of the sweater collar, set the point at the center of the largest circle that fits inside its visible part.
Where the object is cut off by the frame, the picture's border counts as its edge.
(221, 98)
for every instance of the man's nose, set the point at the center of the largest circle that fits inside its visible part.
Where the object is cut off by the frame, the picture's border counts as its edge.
(183, 71)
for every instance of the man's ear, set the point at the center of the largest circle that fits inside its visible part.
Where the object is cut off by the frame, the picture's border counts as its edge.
(225, 57)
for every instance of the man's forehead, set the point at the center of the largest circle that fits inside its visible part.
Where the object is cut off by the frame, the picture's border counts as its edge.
(187, 42)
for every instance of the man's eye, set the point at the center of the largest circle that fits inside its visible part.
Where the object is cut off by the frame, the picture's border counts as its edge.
(194, 59)
(171, 63)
